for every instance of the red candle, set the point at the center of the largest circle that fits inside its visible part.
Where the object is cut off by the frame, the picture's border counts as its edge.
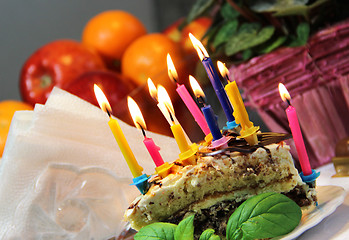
(296, 132)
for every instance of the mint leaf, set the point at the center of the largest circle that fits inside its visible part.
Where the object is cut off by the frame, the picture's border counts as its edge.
(199, 8)
(303, 30)
(248, 35)
(274, 6)
(208, 234)
(185, 229)
(229, 13)
(156, 231)
(225, 32)
(271, 45)
(266, 215)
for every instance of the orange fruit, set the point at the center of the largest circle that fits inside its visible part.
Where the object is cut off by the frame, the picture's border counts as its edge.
(7, 109)
(146, 57)
(111, 32)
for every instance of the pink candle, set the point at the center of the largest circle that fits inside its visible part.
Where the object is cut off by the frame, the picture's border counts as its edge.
(153, 150)
(187, 99)
(193, 108)
(298, 140)
(296, 132)
(139, 122)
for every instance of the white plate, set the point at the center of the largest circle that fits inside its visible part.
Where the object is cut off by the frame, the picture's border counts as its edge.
(329, 198)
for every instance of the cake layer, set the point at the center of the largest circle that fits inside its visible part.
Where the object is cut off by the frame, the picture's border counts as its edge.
(226, 177)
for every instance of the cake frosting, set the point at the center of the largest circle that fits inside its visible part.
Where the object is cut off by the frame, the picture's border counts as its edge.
(216, 185)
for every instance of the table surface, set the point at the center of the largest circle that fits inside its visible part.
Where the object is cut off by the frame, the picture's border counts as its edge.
(335, 226)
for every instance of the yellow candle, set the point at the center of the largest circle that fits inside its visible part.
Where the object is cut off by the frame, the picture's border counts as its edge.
(102, 100)
(180, 138)
(240, 113)
(132, 163)
(248, 131)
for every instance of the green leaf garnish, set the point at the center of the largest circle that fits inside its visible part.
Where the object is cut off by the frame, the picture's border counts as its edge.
(185, 229)
(208, 234)
(266, 215)
(157, 231)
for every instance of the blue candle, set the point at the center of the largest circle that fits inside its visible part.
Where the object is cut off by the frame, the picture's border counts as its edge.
(212, 122)
(219, 88)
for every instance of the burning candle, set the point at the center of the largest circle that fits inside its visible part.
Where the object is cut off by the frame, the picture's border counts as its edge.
(218, 139)
(139, 122)
(187, 99)
(215, 81)
(132, 163)
(248, 131)
(164, 110)
(187, 150)
(296, 131)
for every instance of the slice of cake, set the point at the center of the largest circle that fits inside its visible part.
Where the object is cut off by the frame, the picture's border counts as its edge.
(218, 183)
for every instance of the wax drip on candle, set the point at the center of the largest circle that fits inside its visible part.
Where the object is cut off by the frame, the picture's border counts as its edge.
(308, 175)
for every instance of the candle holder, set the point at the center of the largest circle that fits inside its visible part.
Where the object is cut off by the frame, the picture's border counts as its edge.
(207, 140)
(164, 169)
(141, 183)
(310, 179)
(231, 125)
(220, 143)
(250, 135)
(187, 157)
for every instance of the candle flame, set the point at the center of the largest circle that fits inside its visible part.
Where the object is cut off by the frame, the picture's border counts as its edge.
(136, 113)
(102, 99)
(285, 96)
(152, 89)
(171, 70)
(199, 47)
(198, 92)
(222, 69)
(165, 99)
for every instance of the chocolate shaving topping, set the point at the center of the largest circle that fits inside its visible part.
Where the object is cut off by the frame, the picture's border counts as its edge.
(240, 145)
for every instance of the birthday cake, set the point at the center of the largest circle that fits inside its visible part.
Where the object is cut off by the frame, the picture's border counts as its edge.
(219, 182)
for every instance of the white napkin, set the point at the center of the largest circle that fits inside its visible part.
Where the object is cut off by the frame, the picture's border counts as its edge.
(62, 175)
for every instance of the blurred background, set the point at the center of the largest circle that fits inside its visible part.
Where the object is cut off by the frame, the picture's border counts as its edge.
(315, 69)
(27, 25)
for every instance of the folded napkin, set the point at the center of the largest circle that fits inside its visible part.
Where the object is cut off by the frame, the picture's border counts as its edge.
(63, 175)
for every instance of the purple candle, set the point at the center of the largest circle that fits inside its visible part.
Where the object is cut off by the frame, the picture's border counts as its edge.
(212, 122)
(214, 78)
